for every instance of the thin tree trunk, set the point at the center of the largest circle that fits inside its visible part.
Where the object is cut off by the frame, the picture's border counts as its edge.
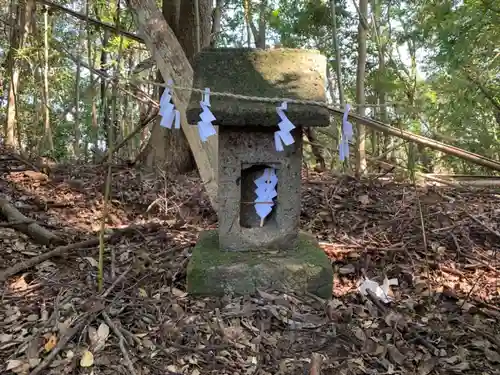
(104, 100)
(76, 129)
(13, 74)
(104, 107)
(91, 60)
(31, 142)
(338, 55)
(49, 141)
(259, 34)
(360, 87)
(338, 65)
(216, 22)
(125, 120)
(114, 92)
(316, 149)
(248, 22)
(381, 96)
(261, 42)
(22, 26)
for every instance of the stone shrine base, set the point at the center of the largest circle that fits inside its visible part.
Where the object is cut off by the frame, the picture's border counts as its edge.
(212, 272)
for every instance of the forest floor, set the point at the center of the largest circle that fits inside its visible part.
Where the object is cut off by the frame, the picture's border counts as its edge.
(439, 243)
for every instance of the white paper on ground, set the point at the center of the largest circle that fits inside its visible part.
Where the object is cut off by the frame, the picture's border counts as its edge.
(381, 291)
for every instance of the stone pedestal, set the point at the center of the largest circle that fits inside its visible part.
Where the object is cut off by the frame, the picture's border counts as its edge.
(212, 272)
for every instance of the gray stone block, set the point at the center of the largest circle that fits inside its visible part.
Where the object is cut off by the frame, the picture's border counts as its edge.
(212, 272)
(275, 73)
(243, 156)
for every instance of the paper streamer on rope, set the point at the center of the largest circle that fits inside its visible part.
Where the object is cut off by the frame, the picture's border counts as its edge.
(347, 134)
(283, 136)
(167, 109)
(343, 149)
(266, 191)
(205, 127)
(346, 125)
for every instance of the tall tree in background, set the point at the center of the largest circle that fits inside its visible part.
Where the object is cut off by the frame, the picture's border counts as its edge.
(258, 32)
(20, 30)
(104, 108)
(48, 143)
(165, 148)
(360, 86)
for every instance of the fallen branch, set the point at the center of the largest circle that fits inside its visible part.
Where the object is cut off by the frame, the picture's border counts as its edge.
(74, 246)
(25, 225)
(121, 342)
(43, 257)
(487, 227)
(115, 283)
(14, 223)
(94, 22)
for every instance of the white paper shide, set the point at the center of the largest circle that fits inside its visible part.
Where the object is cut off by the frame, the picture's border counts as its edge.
(283, 136)
(205, 127)
(167, 110)
(266, 192)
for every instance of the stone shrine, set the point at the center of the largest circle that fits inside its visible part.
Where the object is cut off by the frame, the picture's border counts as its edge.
(248, 252)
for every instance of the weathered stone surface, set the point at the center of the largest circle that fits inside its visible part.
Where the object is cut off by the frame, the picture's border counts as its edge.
(215, 272)
(243, 156)
(278, 73)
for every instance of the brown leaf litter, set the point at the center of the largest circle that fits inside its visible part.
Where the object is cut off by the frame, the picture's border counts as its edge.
(443, 318)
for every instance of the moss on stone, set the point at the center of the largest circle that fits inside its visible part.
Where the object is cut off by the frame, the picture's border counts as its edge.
(281, 73)
(215, 272)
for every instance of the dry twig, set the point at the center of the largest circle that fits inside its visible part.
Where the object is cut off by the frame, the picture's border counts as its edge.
(121, 342)
(43, 257)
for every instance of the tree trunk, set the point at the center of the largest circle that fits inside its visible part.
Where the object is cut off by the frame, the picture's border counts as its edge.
(261, 41)
(173, 63)
(114, 127)
(166, 148)
(91, 59)
(316, 149)
(338, 55)
(108, 133)
(248, 22)
(76, 127)
(126, 121)
(216, 22)
(105, 106)
(381, 96)
(259, 34)
(360, 88)
(19, 32)
(49, 141)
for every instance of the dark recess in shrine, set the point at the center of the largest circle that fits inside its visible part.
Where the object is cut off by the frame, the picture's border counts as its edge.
(248, 216)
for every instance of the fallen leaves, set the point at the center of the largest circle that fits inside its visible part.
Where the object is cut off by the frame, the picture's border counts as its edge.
(492, 355)
(369, 230)
(51, 343)
(87, 359)
(5, 337)
(98, 337)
